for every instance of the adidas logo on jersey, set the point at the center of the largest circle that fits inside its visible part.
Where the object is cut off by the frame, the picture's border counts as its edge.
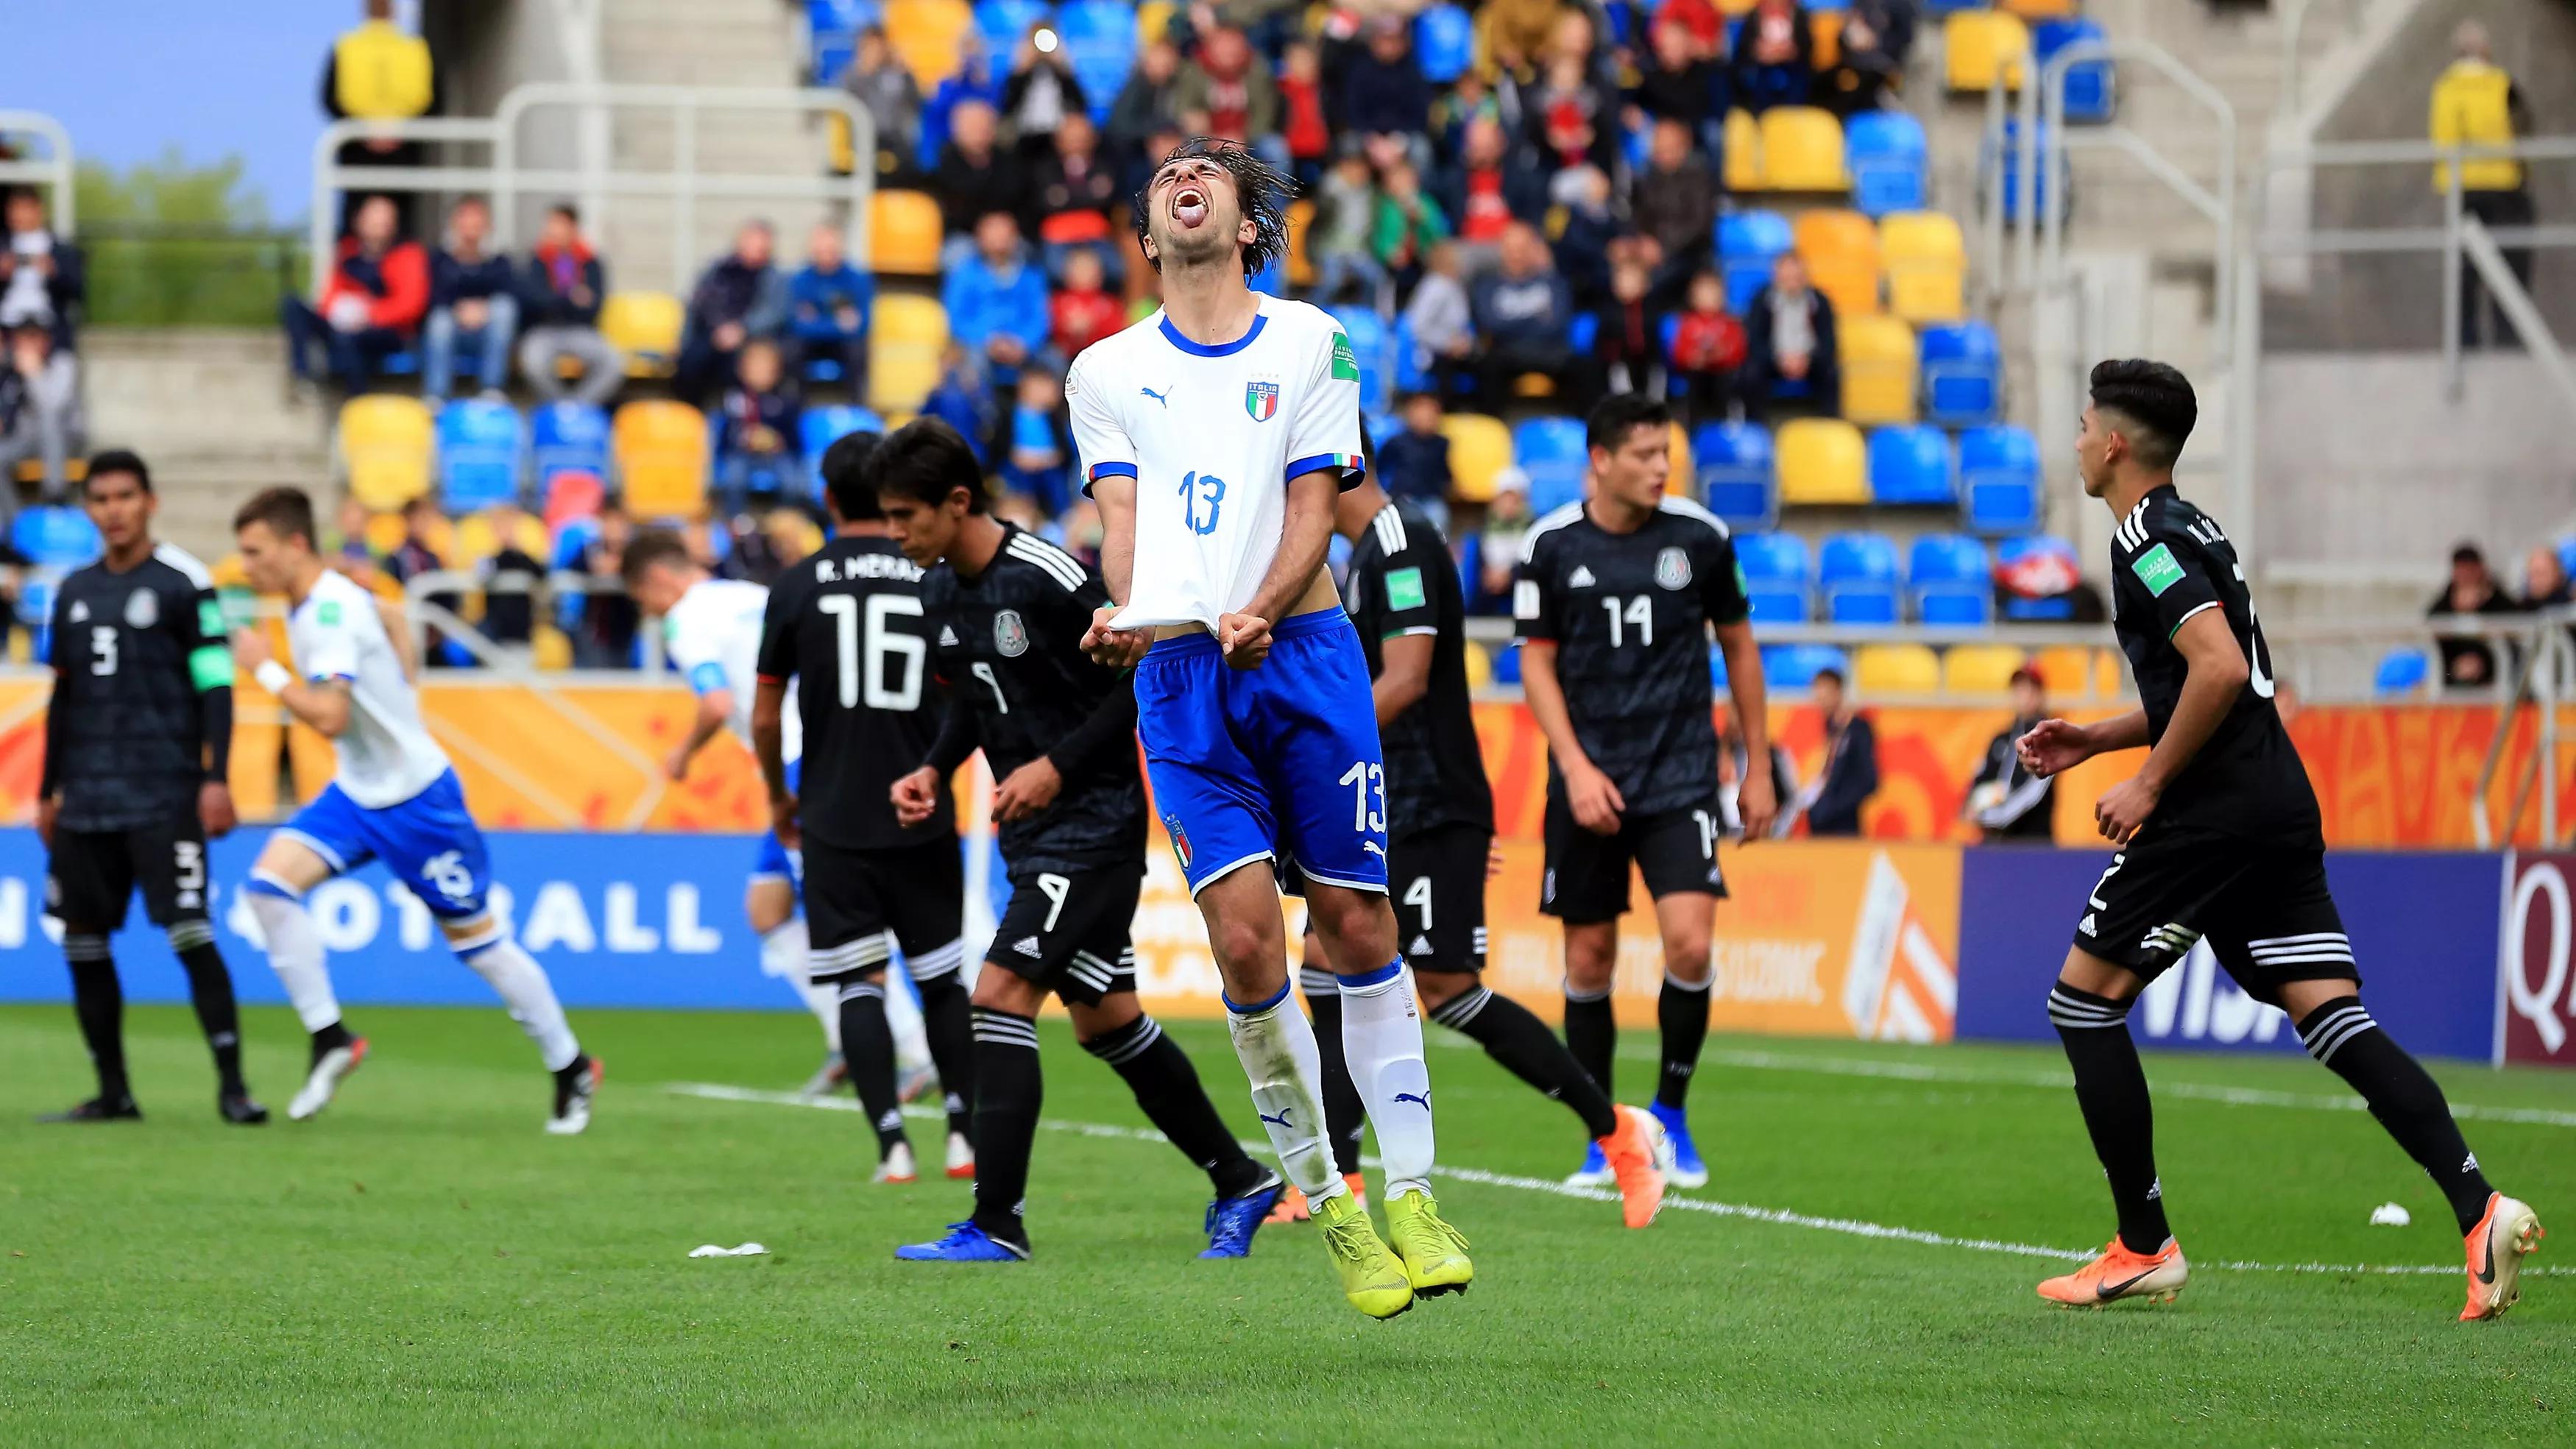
(2085, 926)
(1028, 946)
(1581, 578)
(1421, 946)
(80, 611)
(947, 637)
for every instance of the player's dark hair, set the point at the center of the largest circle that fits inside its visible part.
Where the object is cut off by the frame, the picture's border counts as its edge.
(287, 512)
(1261, 189)
(925, 460)
(647, 549)
(121, 460)
(845, 478)
(567, 211)
(2156, 399)
(1616, 417)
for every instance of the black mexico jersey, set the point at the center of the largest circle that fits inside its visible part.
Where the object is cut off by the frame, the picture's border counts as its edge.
(849, 626)
(131, 653)
(1630, 614)
(2169, 561)
(1402, 581)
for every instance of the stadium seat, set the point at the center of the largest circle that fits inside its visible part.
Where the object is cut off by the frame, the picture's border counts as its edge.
(1795, 666)
(1821, 461)
(906, 335)
(1926, 259)
(1840, 249)
(2039, 9)
(832, 34)
(1480, 448)
(2089, 84)
(1824, 35)
(1680, 478)
(661, 451)
(1857, 574)
(1979, 668)
(385, 445)
(1747, 241)
(1002, 23)
(1999, 479)
(1878, 370)
(1737, 481)
(820, 427)
(478, 537)
(2038, 557)
(480, 447)
(573, 496)
(1951, 582)
(645, 326)
(75, 471)
(1802, 150)
(1963, 374)
(903, 234)
(2402, 671)
(1154, 20)
(1100, 40)
(1444, 43)
(1373, 347)
(1717, 670)
(928, 37)
(1301, 267)
(382, 533)
(1911, 465)
(2065, 670)
(50, 536)
(1550, 452)
(1883, 669)
(568, 436)
(1777, 576)
(1890, 162)
(1982, 49)
(1999, 165)
(1743, 137)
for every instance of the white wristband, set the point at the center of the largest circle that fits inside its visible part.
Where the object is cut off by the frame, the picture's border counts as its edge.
(272, 676)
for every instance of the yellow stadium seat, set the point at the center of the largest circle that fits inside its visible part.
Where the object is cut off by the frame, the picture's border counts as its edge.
(1982, 49)
(385, 444)
(383, 533)
(75, 471)
(1301, 271)
(906, 336)
(661, 451)
(1683, 480)
(1153, 19)
(1821, 461)
(903, 233)
(2040, 9)
(1840, 249)
(2066, 670)
(553, 650)
(927, 36)
(1878, 366)
(1733, 8)
(1480, 665)
(1480, 448)
(1743, 152)
(1926, 260)
(1895, 669)
(1979, 668)
(2110, 673)
(646, 327)
(1802, 150)
(478, 538)
(903, 317)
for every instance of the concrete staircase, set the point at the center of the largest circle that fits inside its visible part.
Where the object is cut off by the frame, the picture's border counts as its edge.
(210, 411)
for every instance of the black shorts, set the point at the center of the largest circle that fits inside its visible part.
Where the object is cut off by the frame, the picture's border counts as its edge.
(1587, 874)
(90, 875)
(859, 903)
(1071, 933)
(1436, 881)
(2264, 908)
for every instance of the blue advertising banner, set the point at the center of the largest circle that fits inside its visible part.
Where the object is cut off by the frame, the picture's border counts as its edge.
(2423, 928)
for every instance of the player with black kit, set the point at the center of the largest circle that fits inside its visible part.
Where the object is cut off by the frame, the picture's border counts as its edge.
(2219, 839)
(1616, 600)
(137, 741)
(1059, 731)
(848, 625)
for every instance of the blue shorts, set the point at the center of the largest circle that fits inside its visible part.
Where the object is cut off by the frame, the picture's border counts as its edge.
(770, 860)
(429, 842)
(1275, 763)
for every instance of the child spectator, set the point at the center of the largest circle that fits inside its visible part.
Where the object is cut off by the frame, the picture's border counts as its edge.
(1408, 223)
(1414, 463)
(1440, 316)
(1084, 312)
(1338, 241)
(1301, 92)
(828, 303)
(1039, 463)
(1708, 350)
(756, 434)
(1631, 344)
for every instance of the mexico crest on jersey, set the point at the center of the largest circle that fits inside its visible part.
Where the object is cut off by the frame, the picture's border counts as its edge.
(1261, 399)
(1010, 636)
(1672, 568)
(142, 609)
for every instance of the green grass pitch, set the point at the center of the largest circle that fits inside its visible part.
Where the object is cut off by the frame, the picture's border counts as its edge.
(423, 1265)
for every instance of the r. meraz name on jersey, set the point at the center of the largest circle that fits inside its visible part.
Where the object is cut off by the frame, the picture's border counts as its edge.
(866, 566)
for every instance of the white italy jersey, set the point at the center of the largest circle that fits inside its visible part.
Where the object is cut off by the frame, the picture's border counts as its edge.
(386, 754)
(713, 635)
(1212, 435)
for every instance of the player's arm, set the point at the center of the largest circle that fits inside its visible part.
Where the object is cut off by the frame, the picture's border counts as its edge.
(323, 702)
(916, 795)
(1108, 459)
(49, 787)
(210, 674)
(1536, 619)
(1730, 615)
(1409, 632)
(774, 666)
(2215, 672)
(1404, 673)
(715, 706)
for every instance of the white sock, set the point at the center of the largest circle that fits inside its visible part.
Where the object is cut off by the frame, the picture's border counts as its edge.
(903, 1018)
(1276, 1044)
(783, 954)
(294, 949)
(1382, 1041)
(530, 997)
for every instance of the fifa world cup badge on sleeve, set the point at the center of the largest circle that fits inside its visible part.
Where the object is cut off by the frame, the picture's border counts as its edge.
(2157, 570)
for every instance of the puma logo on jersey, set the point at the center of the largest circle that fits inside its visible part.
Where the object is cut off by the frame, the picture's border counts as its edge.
(1156, 396)
(1028, 946)
(1581, 578)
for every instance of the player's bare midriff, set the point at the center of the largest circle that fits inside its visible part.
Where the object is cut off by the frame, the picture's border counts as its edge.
(1319, 594)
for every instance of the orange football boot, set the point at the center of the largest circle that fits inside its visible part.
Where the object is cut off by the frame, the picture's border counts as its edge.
(2120, 1273)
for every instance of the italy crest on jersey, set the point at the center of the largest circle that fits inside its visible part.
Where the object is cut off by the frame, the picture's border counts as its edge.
(1261, 400)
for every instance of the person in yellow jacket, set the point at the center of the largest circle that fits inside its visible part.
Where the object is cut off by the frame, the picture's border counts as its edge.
(380, 72)
(2475, 103)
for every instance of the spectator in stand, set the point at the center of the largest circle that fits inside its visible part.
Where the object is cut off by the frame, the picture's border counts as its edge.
(974, 82)
(565, 283)
(371, 304)
(1683, 84)
(1774, 57)
(2007, 803)
(1382, 92)
(963, 399)
(1577, 121)
(1414, 463)
(1631, 346)
(1408, 224)
(1075, 191)
(2544, 580)
(1676, 200)
(2476, 103)
(1789, 343)
(1891, 23)
(2469, 662)
(756, 442)
(473, 304)
(1144, 104)
(1441, 317)
(739, 298)
(1498, 544)
(1041, 92)
(1084, 310)
(1589, 229)
(1866, 69)
(377, 72)
(1850, 775)
(1470, 99)
(1227, 91)
(418, 556)
(41, 276)
(1488, 188)
(609, 617)
(1707, 355)
(40, 412)
(1037, 462)
(1523, 311)
(1337, 241)
(996, 301)
(510, 578)
(828, 305)
(885, 89)
(975, 178)
(1308, 135)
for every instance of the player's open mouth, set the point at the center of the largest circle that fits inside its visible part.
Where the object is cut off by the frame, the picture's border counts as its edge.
(1189, 206)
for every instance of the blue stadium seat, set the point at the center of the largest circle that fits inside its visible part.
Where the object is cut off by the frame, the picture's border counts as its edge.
(821, 427)
(1444, 43)
(480, 448)
(832, 34)
(1951, 581)
(1963, 374)
(2090, 93)
(1373, 344)
(2001, 166)
(1551, 452)
(1507, 664)
(1100, 40)
(2567, 554)
(1736, 477)
(1911, 465)
(1857, 573)
(570, 437)
(1717, 669)
(1583, 332)
(1002, 23)
(1889, 160)
(2402, 671)
(1944, 7)
(1746, 243)
(1795, 666)
(2015, 553)
(1776, 576)
(1999, 478)
(52, 536)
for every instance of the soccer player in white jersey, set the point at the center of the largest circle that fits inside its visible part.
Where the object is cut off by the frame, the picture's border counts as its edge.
(1217, 436)
(393, 798)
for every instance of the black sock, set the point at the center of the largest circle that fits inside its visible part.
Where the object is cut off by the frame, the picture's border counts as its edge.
(331, 1037)
(1008, 1093)
(1682, 1012)
(867, 1049)
(99, 1002)
(1528, 1050)
(1167, 1089)
(210, 990)
(2403, 1096)
(2111, 1087)
(1345, 1116)
(947, 1018)
(1591, 1034)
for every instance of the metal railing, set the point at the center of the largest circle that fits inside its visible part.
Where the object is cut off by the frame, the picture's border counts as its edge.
(54, 169)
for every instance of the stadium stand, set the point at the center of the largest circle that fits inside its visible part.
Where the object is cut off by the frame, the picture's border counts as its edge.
(386, 445)
(1822, 460)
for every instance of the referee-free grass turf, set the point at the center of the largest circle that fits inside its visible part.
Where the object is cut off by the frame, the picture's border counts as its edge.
(423, 1265)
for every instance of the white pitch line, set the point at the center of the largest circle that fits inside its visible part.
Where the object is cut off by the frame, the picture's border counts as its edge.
(1854, 1227)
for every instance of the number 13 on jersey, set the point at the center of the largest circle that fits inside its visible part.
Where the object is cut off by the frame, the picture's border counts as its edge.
(1201, 495)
